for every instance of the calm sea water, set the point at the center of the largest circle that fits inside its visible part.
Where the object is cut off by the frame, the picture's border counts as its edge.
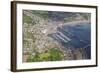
(79, 35)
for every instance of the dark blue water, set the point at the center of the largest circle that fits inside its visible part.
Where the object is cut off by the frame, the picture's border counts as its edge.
(58, 16)
(81, 31)
(79, 35)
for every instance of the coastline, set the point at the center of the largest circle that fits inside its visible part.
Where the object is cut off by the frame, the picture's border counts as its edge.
(77, 22)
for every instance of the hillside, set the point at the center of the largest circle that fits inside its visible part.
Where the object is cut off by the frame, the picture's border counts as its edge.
(39, 31)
